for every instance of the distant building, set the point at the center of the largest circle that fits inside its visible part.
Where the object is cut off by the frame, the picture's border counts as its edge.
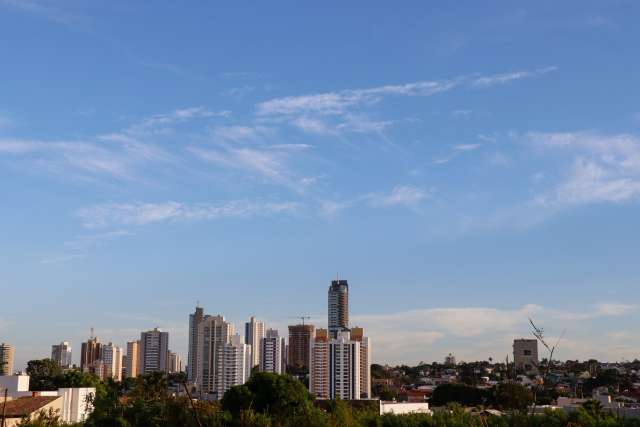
(175, 363)
(344, 368)
(357, 334)
(271, 347)
(450, 360)
(213, 333)
(132, 360)
(154, 351)
(195, 322)
(338, 307)
(61, 354)
(300, 337)
(234, 365)
(111, 357)
(89, 354)
(525, 355)
(6, 359)
(319, 365)
(254, 331)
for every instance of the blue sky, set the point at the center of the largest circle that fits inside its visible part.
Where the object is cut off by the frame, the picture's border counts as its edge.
(463, 167)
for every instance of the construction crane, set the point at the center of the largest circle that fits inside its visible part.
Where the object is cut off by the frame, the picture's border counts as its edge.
(301, 318)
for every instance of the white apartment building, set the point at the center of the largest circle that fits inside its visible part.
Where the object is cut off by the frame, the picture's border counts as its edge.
(234, 365)
(213, 333)
(111, 367)
(340, 367)
(154, 351)
(61, 354)
(270, 349)
(254, 332)
(175, 362)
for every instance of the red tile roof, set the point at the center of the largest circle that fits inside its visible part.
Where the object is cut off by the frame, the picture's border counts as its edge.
(26, 405)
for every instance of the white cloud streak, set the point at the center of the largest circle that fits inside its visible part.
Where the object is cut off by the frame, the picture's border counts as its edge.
(139, 213)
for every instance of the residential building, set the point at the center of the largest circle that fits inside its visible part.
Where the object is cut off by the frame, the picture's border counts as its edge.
(319, 365)
(175, 363)
(195, 322)
(234, 365)
(344, 368)
(111, 366)
(254, 331)
(525, 355)
(154, 351)
(340, 367)
(270, 350)
(61, 354)
(338, 311)
(300, 337)
(357, 334)
(89, 354)
(132, 360)
(213, 333)
(6, 359)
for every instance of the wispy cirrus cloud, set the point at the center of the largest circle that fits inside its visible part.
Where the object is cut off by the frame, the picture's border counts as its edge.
(402, 195)
(140, 213)
(605, 168)
(339, 102)
(62, 259)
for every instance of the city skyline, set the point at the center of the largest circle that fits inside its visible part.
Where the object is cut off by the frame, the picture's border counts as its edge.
(464, 168)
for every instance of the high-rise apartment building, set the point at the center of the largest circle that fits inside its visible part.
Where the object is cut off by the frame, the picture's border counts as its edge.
(195, 322)
(175, 363)
(270, 349)
(213, 333)
(154, 351)
(61, 354)
(525, 355)
(89, 354)
(344, 368)
(111, 357)
(357, 334)
(6, 359)
(319, 365)
(234, 365)
(132, 360)
(300, 337)
(253, 333)
(340, 367)
(338, 309)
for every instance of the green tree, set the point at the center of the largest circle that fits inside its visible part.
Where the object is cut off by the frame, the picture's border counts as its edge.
(511, 396)
(457, 393)
(44, 374)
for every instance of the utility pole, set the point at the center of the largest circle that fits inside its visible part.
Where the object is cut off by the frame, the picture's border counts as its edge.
(4, 406)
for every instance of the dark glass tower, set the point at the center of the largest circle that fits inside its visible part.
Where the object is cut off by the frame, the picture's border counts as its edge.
(338, 307)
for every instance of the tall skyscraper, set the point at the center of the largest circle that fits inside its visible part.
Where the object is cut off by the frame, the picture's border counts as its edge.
(154, 351)
(271, 347)
(111, 356)
(195, 322)
(89, 354)
(234, 365)
(344, 368)
(300, 337)
(132, 360)
(214, 332)
(253, 334)
(61, 354)
(357, 334)
(338, 307)
(6, 359)
(319, 365)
